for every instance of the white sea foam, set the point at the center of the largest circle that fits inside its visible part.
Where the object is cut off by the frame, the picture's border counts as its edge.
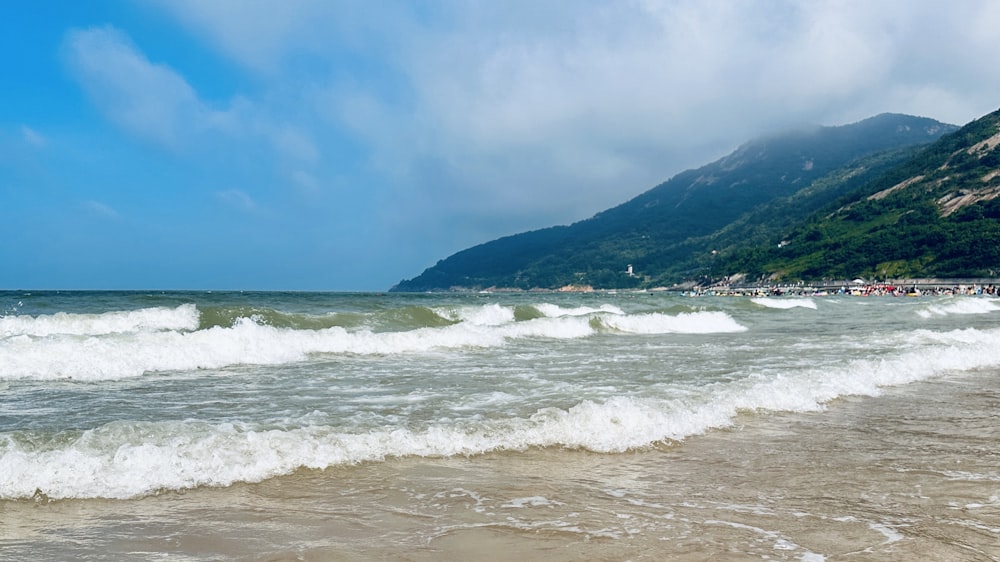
(970, 476)
(115, 356)
(488, 315)
(891, 535)
(964, 305)
(555, 311)
(780, 542)
(784, 303)
(553, 328)
(128, 459)
(683, 323)
(532, 501)
(183, 317)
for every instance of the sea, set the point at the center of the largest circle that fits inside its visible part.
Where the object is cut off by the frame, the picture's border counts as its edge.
(189, 426)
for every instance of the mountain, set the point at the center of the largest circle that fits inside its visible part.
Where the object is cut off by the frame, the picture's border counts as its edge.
(668, 233)
(935, 215)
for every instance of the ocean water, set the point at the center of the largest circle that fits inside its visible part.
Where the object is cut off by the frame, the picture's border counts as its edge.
(615, 426)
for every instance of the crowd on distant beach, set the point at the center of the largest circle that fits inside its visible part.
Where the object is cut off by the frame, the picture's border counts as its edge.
(914, 291)
(857, 290)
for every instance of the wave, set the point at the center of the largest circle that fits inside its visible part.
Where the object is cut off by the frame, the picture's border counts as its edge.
(246, 343)
(784, 303)
(683, 323)
(130, 459)
(488, 315)
(123, 345)
(555, 311)
(183, 317)
(225, 317)
(965, 305)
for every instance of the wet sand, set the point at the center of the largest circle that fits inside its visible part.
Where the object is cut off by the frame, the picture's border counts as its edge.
(913, 474)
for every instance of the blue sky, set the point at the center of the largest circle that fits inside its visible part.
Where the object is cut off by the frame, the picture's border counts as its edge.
(342, 145)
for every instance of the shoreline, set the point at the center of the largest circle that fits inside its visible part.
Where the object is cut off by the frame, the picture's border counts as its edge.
(853, 289)
(928, 284)
(931, 286)
(904, 475)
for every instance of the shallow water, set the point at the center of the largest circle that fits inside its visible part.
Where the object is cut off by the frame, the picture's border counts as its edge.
(914, 474)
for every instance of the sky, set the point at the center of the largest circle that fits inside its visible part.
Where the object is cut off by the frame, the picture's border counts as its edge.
(346, 145)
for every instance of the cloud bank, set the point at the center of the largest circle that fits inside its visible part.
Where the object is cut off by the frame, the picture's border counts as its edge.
(437, 125)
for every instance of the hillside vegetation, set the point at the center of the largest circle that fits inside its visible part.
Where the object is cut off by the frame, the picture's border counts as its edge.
(893, 195)
(935, 215)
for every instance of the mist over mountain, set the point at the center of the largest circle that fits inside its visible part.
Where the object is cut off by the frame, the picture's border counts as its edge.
(935, 215)
(732, 216)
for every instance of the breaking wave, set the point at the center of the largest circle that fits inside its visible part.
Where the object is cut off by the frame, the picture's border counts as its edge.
(117, 345)
(129, 459)
(784, 303)
(974, 305)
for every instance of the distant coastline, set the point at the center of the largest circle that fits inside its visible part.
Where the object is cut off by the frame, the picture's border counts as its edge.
(926, 286)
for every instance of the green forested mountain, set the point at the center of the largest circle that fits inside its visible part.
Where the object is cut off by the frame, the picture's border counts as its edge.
(723, 218)
(935, 215)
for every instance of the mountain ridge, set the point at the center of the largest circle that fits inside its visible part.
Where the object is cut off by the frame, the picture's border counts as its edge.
(665, 232)
(935, 215)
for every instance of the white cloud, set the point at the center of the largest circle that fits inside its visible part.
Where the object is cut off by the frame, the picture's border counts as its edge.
(256, 33)
(261, 34)
(608, 94)
(295, 144)
(305, 181)
(542, 113)
(147, 99)
(33, 137)
(153, 102)
(101, 209)
(237, 199)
